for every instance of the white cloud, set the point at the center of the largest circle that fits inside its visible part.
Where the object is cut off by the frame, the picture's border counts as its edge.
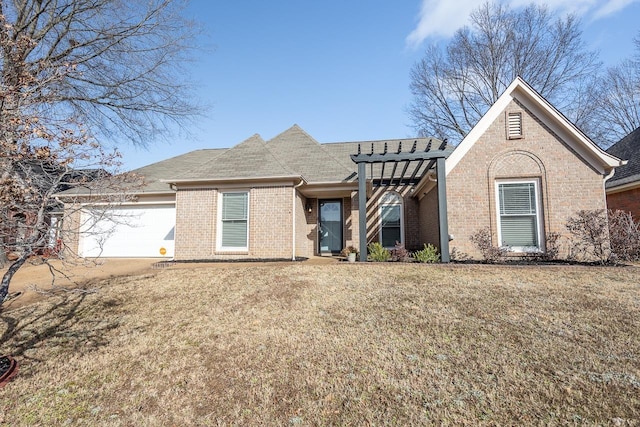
(611, 7)
(441, 18)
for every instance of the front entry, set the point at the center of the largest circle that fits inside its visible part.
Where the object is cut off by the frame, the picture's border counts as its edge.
(330, 226)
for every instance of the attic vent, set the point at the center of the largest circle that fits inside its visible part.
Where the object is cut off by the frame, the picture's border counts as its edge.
(514, 125)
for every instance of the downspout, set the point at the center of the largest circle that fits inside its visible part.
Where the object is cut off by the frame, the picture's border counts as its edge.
(607, 177)
(293, 210)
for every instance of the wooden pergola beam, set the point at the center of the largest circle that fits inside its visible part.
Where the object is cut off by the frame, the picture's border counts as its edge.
(437, 156)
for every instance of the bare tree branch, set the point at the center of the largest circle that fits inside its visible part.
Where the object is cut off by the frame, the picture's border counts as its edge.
(618, 100)
(455, 86)
(124, 59)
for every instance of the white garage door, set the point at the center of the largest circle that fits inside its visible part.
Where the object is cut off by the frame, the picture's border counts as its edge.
(131, 231)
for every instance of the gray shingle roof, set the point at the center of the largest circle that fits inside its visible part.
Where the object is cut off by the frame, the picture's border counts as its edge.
(304, 155)
(628, 148)
(164, 169)
(153, 174)
(249, 159)
(293, 153)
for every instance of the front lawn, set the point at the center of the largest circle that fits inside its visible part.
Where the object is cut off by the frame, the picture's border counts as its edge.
(340, 344)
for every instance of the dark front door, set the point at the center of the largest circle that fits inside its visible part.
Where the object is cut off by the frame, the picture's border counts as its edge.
(330, 226)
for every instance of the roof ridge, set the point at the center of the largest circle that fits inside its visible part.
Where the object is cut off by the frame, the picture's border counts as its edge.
(326, 152)
(415, 138)
(266, 145)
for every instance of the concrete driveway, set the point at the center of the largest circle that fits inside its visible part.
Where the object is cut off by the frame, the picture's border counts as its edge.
(37, 275)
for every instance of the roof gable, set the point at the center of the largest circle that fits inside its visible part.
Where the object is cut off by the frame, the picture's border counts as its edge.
(303, 154)
(521, 91)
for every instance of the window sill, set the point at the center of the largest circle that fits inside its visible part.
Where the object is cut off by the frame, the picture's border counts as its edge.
(232, 252)
(521, 251)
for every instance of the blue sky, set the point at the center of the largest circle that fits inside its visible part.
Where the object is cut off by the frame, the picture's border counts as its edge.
(339, 69)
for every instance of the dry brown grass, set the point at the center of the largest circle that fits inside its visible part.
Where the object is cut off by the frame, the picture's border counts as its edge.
(296, 344)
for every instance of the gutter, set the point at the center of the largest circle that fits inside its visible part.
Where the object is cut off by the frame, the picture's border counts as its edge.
(173, 182)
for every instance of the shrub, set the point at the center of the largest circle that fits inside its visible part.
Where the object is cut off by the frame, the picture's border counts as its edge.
(429, 254)
(552, 247)
(624, 234)
(590, 236)
(482, 240)
(458, 255)
(399, 253)
(378, 253)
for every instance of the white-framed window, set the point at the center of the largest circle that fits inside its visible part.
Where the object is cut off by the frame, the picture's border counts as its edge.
(391, 219)
(519, 217)
(233, 221)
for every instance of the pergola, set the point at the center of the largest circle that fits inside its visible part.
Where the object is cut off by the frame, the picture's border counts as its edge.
(431, 156)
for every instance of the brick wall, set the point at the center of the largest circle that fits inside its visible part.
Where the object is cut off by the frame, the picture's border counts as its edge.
(304, 227)
(195, 223)
(566, 183)
(271, 227)
(429, 221)
(355, 220)
(628, 201)
(270, 224)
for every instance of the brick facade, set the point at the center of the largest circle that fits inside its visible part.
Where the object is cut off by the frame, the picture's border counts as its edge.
(270, 224)
(628, 201)
(429, 221)
(69, 230)
(195, 223)
(566, 183)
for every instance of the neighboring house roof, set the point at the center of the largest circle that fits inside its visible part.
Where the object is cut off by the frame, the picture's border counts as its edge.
(627, 148)
(550, 116)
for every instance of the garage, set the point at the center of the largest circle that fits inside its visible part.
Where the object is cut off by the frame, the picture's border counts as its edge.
(145, 231)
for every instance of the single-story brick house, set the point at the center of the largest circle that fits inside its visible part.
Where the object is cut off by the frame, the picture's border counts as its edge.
(623, 189)
(522, 171)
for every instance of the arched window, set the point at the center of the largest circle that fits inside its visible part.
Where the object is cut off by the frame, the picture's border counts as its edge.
(391, 219)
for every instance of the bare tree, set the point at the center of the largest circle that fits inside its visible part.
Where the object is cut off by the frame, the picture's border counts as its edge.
(123, 62)
(37, 164)
(453, 87)
(75, 75)
(618, 100)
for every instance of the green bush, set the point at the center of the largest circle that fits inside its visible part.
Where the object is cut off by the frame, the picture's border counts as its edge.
(429, 254)
(378, 253)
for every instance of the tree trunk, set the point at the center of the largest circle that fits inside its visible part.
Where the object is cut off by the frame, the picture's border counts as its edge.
(6, 279)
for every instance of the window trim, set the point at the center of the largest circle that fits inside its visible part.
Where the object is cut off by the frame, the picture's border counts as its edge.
(399, 201)
(219, 247)
(536, 190)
